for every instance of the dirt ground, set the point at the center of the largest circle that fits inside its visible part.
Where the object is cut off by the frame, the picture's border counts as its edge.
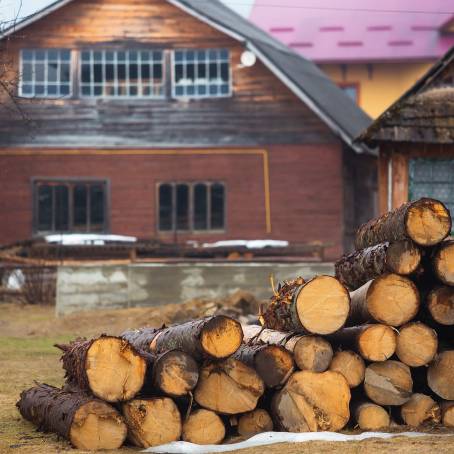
(27, 335)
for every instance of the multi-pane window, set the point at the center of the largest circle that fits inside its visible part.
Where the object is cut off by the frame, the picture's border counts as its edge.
(117, 73)
(45, 73)
(432, 178)
(79, 206)
(201, 73)
(191, 206)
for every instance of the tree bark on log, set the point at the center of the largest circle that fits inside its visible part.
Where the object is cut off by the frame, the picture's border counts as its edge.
(203, 427)
(425, 221)
(152, 422)
(228, 387)
(420, 410)
(214, 337)
(417, 344)
(309, 352)
(375, 342)
(389, 299)
(88, 423)
(401, 257)
(447, 413)
(370, 416)
(443, 262)
(388, 383)
(273, 363)
(440, 303)
(109, 367)
(255, 422)
(319, 306)
(350, 365)
(440, 376)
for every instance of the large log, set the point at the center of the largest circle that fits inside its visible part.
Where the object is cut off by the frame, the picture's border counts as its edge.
(401, 257)
(420, 410)
(425, 221)
(417, 344)
(388, 383)
(255, 422)
(370, 416)
(203, 427)
(443, 262)
(440, 376)
(109, 367)
(88, 423)
(447, 413)
(312, 401)
(228, 387)
(319, 306)
(440, 303)
(309, 352)
(375, 342)
(152, 422)
(389, 299)
(273, 363)
(213, 337)
(350, 365)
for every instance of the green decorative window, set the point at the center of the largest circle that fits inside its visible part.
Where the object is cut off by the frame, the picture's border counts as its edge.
(432, 178)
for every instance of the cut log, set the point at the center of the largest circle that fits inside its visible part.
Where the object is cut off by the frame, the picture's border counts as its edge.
(319, 306)
(213, 337)
(417, 344)
(443, 262)
(350, 365)
(390, 299)
(255, 422)
(440, 303)
(203, 427)
(401, 257)
(312, 401)
(88, 423)
(370, 416)
(109, 367)
(440, 376)
(273, 363)
(309, 352)
(375, 342)
(447, 413)
(152, 422)
(425, 221)
(228, 387)
(420, 410)
(388, 383)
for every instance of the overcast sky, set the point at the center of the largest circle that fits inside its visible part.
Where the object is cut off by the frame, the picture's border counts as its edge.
(9, 8)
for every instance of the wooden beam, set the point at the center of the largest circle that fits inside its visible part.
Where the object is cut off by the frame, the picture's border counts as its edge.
(400, 179)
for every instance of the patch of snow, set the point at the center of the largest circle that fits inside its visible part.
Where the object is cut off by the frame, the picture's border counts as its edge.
(15, 280)
(249, 244)
(87, 239)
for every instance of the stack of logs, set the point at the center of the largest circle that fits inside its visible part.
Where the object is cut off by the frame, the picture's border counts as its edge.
(373, 345)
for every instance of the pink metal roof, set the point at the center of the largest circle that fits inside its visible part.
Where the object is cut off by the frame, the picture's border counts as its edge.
(358, 30)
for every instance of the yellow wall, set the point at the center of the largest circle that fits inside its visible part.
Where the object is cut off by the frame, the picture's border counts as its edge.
(380, 84)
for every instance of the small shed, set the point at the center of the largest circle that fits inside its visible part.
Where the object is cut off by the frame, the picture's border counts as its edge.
(415, 139)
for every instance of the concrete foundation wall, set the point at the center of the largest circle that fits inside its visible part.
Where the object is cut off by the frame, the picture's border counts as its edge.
(108, 287)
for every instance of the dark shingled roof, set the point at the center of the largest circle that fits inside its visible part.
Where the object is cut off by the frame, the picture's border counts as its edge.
(424, 114)
(303, 77)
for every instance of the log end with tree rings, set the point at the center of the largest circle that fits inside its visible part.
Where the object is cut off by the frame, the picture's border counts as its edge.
(377, 342)
(115, 370)
(440, 376)
(175, 373)
(443, 262)
(417, 344)
(420, 410)
(97, 426)
(392, 299)
(255, 422)
(427, 222)
(228, 387)
(203, 427)
(350, 365)
(388, 383)
(403, 257)
(221, 336)
(274, 364)
(152, 422)
(322, 305)
(312, 353)
(370, 416)
(312, 401)
(440, 303)
(447, 413)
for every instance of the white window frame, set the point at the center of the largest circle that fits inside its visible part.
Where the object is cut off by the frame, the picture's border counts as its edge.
(46, 83)
(207, 85)
(127, 62)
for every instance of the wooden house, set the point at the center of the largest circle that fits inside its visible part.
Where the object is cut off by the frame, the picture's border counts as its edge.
(415, 139)
(177, 120)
